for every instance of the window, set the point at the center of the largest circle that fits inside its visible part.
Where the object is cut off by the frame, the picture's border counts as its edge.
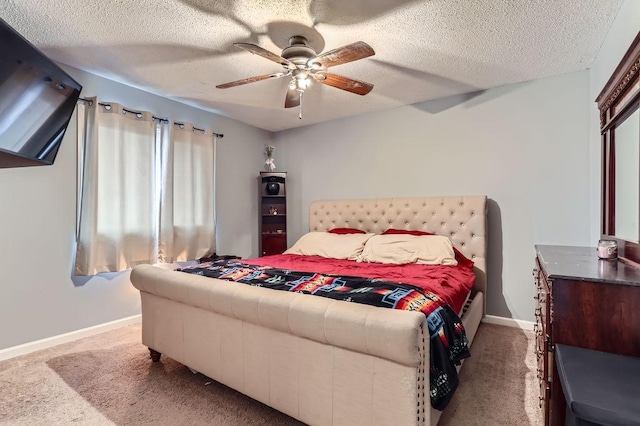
(146, 190)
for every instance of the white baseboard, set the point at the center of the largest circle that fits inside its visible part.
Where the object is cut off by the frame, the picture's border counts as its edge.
(38, 345)
(509, 322)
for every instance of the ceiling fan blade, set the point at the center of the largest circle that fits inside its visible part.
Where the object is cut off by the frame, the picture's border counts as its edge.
(344, 83)
(292, 99)
(342, 55)
(251, 80)
(257, 50)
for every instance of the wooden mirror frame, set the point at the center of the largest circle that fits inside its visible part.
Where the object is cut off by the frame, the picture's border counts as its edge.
(619, 98)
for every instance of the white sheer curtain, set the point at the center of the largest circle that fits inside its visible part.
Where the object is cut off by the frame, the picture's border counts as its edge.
(146, 190)
(193, 165)
(119, 202)
(164, 175)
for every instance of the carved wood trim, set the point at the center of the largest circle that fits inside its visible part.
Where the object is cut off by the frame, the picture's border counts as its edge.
(625, 73)
(618, 90)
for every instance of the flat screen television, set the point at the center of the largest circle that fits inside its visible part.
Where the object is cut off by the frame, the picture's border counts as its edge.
(37, 99)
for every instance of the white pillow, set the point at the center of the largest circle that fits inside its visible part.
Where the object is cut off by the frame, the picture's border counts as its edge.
(399, 249)
(325, 244)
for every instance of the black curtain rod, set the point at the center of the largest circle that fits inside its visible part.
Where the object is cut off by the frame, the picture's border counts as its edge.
(139, 114)
(181, 125)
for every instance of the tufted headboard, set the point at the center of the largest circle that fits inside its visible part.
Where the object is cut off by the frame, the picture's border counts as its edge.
(462, 218)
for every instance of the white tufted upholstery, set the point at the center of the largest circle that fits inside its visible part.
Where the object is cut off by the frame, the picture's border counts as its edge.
(463, 219)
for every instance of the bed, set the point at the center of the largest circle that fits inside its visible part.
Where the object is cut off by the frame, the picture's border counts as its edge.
(318, 360)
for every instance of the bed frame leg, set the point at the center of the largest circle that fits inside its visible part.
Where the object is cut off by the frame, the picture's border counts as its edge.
(155, 355)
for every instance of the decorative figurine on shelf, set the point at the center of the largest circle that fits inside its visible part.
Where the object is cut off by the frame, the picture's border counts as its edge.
(269, 164)
(273, 210)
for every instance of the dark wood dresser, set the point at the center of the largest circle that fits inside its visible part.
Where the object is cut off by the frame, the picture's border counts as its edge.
(586, 302)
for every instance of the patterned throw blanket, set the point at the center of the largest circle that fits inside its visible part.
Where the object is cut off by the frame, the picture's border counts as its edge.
(449, 343)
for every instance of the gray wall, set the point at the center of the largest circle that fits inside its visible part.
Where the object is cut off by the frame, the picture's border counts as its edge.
(533, 148)
(525, 145)
(39, 298)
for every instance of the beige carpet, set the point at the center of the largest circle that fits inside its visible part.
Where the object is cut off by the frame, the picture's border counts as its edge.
(109, 379)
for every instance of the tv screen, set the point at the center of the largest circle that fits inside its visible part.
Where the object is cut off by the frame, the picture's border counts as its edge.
(37, 99)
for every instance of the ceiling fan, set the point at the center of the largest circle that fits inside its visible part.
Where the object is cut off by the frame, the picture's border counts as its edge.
(304, 65)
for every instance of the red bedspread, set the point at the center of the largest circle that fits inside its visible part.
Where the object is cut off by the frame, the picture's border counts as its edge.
(451, 283)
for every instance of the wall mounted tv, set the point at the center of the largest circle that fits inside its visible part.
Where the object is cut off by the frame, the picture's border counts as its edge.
(37, 99)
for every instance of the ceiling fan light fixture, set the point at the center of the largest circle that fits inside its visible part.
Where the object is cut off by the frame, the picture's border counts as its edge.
(303, 81)
(300, 81)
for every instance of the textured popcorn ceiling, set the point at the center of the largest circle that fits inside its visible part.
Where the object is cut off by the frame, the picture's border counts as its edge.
(425, 49)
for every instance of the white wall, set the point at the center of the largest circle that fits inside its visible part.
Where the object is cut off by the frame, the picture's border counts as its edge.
(622, 32)
(524, 145)
(39, 297)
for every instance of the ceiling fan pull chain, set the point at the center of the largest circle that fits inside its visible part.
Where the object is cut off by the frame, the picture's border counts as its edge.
(300, 114)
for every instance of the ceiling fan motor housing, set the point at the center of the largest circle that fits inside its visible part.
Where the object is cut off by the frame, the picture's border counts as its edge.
(298, 51)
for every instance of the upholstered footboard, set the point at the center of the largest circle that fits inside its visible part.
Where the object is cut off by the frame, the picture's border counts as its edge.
(319, 360)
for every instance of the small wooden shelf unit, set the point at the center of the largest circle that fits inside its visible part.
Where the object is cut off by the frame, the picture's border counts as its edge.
(273, 212)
